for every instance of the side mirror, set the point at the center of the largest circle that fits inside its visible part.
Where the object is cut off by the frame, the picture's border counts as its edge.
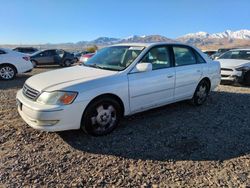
(143, 67)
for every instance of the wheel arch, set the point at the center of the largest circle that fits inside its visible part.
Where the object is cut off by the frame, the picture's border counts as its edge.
(107, 95)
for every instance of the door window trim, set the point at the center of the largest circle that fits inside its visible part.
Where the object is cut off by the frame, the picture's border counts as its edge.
(168, 46)
(194, 52)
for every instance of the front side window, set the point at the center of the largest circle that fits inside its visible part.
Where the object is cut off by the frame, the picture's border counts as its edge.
(52, 53)
(115, 58)
(183, 56)
(158, 57)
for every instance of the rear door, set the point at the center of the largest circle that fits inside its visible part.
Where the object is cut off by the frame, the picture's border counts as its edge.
(156, 87)
(188, 71)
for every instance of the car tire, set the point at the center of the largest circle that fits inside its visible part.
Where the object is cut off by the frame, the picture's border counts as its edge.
(201, 93)
(7, 72)
(247, 78)
(34, 63)
(101, 117)
(67, 63)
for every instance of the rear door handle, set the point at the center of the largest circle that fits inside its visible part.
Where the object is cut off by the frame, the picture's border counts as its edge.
(170, 76)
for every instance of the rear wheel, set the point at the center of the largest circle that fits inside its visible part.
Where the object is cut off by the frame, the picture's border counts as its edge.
(201, 93)
(7, 72)
(101, 117)
(34, 63)
(67, 63)
(247, 78)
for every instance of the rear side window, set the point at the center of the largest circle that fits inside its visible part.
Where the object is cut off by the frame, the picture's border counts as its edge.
(199, 59)
(183, 56)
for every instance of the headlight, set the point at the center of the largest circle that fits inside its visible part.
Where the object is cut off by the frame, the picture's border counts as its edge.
(57, 97)
(244, 68)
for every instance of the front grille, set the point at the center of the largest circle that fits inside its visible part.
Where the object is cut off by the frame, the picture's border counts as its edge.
(30, 92)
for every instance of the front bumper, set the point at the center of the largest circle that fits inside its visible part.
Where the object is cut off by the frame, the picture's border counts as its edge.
(231, 75)
(58, 118)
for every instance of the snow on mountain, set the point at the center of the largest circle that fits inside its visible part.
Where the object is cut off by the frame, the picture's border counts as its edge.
(228, 34)
(241, 34)
(200, 34)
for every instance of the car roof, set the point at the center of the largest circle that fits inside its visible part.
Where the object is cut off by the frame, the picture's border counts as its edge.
(21, 47)
(151, 44)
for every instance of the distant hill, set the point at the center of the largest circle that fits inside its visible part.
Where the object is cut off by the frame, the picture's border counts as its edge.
(202, 40)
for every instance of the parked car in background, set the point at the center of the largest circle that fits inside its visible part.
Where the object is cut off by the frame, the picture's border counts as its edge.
(86, 57)
(52, 56)
(79, 54)
(12, 63)
(119, 80)
(235, 66)
(210, 52)
(220, 52)
(26, 50)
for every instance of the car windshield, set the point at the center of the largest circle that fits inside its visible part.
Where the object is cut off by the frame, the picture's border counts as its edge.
(237, 54)
(115, 58)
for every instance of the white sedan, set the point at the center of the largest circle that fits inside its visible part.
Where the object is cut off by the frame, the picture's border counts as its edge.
(12, 63)
(235, 66)
(119, 80)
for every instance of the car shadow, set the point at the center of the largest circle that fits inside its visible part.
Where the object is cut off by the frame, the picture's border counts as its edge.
(218, 130)
(15, 83)
(48, 66)
(234, 84)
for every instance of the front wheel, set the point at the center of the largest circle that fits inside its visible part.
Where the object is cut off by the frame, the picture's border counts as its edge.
(7, 72)
(201, 93)
(101, 117)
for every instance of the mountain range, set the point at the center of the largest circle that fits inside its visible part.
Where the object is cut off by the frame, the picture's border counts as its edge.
(228, 38)
(203, 40)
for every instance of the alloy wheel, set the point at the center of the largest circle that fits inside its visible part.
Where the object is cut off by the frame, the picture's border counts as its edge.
(7, 72)
(202, 93)
(103, 118)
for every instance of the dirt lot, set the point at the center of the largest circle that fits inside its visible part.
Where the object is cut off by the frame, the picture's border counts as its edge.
(174, 146)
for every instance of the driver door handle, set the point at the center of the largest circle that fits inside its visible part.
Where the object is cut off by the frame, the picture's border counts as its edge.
(170, 76)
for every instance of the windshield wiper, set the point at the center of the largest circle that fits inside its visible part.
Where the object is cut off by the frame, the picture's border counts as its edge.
(100, 67)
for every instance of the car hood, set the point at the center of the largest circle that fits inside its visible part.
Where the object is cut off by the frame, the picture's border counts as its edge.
(232, 63)
(76, 74)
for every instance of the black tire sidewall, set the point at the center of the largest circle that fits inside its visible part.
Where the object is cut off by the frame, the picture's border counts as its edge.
(247, 78)
(65, 63)
(195, 98)
(34, 63)
(86, 124)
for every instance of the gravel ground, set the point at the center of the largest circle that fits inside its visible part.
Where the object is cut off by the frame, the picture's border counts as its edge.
(178, 145)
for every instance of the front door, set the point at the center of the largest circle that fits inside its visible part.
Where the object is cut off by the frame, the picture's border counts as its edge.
(152, 88)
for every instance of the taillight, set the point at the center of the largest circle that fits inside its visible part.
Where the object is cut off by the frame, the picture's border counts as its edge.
(26, 58)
